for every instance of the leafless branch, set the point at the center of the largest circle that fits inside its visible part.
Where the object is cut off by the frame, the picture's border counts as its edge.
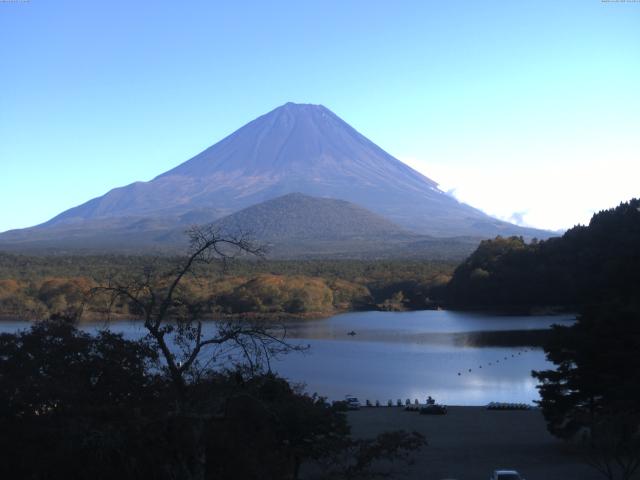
(175, 322)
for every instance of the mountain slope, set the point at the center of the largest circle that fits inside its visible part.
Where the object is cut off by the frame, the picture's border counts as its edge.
(301, 226)
(290, 226)
(295, 148)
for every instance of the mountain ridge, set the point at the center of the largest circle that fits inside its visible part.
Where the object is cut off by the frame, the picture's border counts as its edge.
(295, 147)
(293, 226)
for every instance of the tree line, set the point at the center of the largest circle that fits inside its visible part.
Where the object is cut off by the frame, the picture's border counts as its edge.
(38, 287)
(587, 265)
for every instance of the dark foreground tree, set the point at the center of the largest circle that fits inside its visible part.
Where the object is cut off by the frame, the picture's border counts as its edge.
(190, 351)
(78, 406)
(172, 314)
(71, 403)
(593, 395)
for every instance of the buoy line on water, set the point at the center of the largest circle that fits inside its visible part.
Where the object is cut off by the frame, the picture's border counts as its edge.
(513, 355)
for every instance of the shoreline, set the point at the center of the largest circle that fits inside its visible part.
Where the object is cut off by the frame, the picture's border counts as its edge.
(269, 317)
(279, 316)
(523, 337)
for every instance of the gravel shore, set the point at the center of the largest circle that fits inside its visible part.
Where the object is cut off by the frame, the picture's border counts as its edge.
(470, 442)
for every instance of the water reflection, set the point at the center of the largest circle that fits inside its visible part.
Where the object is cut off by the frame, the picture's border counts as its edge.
(405, 355)
(390, 326)
(382, 371)
(416, 354)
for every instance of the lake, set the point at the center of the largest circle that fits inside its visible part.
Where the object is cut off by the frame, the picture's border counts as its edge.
(404, 355)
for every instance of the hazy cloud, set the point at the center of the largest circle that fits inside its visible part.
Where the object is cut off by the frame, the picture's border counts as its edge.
(518, 218)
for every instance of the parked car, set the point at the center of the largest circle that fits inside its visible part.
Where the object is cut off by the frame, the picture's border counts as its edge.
(433, 409)
(505, 475)
(352, 403)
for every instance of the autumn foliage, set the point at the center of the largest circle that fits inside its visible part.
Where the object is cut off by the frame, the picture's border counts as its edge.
(58, 286)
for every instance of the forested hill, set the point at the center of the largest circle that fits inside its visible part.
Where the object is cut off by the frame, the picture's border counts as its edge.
(296, 216)
(588, 264)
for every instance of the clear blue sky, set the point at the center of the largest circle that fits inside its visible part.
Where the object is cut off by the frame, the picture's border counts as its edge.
(528, 110)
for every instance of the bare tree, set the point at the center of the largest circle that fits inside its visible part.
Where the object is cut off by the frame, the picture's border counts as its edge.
(188, 347)
(173, 319)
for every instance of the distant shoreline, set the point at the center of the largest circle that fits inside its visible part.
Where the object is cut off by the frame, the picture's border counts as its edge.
(514, 337)
(284, 316)
(95, 317)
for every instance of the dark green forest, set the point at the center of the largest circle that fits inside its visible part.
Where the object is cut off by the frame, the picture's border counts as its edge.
(587, 265)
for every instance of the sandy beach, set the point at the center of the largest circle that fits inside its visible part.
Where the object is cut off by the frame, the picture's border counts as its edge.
(470, 442)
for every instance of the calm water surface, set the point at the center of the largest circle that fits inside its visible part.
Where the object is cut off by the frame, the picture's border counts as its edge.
(403, 355)
(414, 354)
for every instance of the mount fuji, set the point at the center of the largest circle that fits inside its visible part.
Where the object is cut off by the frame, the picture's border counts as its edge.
(295, 148)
